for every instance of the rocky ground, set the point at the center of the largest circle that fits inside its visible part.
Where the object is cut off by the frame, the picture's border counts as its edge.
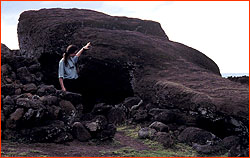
(125, 144)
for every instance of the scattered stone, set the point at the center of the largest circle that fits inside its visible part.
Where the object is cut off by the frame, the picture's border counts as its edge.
(140, 116)
(166, 139)
(24, 75)
(101, 108)
(146, 133)
(11, 123)
(67, 107)
(209, 149)
(238, 151)
(230, 141)
(159, 126)
(107, 133)
(74, 98)
(116, 116)
(195, 135)
(80, 132)
(8, 89)
(30, 88)
(44, 90)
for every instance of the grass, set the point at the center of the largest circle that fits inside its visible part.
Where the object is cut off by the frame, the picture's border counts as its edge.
(14, 153)
(35, 151)
(156, 148)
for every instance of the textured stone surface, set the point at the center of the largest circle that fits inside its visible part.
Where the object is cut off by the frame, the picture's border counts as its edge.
(177, 75)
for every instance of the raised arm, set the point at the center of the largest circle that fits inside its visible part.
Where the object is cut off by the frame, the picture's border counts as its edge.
(78, 54)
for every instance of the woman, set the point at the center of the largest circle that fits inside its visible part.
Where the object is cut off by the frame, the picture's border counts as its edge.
(67, 71)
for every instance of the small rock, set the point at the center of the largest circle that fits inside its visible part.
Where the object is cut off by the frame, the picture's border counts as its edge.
(107, 133)
(238, 151)
(195, 135)
(8, 89)
(24, 75)
(49, 100)
(146, 133)
(30, 88)
(101, 108)
(80, 132)
(140, 116)
(159, 126)
(230, 141)
(74, 98)
(14, 118)
(93, 126)
(209, 149)
(44, 90)
(166, 139)
(116, 116)
(67, 107)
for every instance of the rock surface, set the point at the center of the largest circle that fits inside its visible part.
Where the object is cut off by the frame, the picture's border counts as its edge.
(132, 70)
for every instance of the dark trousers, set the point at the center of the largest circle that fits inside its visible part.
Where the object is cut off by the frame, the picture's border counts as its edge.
(72, 85)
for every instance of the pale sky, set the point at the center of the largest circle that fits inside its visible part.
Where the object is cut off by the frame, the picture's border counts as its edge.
(218, 29)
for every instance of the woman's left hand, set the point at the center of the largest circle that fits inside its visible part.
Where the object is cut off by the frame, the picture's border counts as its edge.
(86, 46)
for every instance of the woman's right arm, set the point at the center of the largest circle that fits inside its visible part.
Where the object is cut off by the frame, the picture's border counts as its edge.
(61, 83)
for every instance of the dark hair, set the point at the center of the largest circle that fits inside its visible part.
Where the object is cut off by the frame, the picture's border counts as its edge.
(70, 50)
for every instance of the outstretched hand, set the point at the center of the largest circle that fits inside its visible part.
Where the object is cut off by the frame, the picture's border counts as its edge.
(87, 46)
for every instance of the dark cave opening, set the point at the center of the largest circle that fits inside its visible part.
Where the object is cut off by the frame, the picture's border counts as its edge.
(100, 81)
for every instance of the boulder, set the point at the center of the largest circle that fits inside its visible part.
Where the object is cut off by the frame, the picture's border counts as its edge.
(67, 107)
(24, 75)
(116, 116)
(44, 90)
(53, 131)
(80, 132)
(101, 108)
(208, 149)
(97, 124)
(50, 100)
(146, 133)
(159, 126)
(140, 116)
(166, 139)
(230, 141)
(141, 60)
(30, 88)
(238, 151)
(107, 133)
(34, 68)
(14, 118)
(8, 89)
(74, 98)
(68, 112)
(195, 135)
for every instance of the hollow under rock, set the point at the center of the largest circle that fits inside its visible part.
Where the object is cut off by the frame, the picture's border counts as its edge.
(100, 81)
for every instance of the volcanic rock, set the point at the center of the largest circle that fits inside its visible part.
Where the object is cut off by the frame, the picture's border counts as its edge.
(146, 132)
(116, 116)
(195, 135)
(80, 132)
(166, 139)
(230, 141)
(129, 58)
(138, 54)
(159, 126)
(209, 149)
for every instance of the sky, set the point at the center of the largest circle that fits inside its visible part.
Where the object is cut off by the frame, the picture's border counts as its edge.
(219, 29)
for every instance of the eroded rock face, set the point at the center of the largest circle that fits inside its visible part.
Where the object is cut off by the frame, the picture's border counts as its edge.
(133, 58)
(143, 60)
